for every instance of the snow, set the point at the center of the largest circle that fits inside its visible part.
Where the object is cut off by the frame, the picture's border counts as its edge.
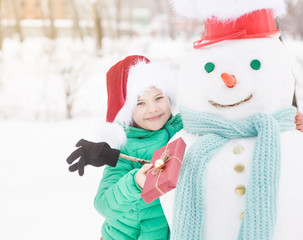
(295, 51)
(40, 199)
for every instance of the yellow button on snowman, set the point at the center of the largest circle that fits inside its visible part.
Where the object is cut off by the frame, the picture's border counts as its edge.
(241, 176)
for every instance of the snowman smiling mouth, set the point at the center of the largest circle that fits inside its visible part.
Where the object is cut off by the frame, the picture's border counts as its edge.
(230, 105)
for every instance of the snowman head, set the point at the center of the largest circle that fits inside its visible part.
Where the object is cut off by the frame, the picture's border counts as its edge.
(240, 66)
(235, 79)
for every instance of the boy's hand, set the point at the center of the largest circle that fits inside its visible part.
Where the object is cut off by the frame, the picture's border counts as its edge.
(90, 153)
(141, 174)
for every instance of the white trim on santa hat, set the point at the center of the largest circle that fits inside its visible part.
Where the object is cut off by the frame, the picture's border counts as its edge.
(224, 9)
(143, 76)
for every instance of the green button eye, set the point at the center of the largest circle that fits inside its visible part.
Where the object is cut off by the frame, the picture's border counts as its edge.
(255, 64)
(209, 67)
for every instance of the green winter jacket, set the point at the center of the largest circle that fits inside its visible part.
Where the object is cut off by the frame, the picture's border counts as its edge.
(118, 198)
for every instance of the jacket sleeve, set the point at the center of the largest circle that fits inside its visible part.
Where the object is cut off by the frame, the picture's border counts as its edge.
(118, 190)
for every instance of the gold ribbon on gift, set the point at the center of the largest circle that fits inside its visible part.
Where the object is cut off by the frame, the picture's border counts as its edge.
(159, 168)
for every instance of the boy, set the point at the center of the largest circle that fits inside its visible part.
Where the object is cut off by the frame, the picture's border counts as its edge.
(140, 96)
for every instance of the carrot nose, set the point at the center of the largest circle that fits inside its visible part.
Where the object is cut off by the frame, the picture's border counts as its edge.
(229, 80)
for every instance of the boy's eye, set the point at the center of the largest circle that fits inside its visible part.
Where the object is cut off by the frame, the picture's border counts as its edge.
(209, 67)
(159, 98)
(140, 103)
(255, 64)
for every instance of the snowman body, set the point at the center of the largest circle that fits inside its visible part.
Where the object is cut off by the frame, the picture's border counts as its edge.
(267, 89)
(229, 171)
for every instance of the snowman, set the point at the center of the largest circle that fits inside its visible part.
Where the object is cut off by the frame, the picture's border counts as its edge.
(242, 175)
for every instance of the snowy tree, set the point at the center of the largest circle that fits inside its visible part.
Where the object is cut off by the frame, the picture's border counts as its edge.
(70, 78)
(1, 34)
(16, 8)
(292, 23)
(76, 19)
(53, 33)
(96, 7)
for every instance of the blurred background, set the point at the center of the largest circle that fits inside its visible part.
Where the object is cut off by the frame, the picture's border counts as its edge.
(54, 55)
(53, 51)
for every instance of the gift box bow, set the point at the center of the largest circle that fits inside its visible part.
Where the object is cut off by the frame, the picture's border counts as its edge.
(159, 166)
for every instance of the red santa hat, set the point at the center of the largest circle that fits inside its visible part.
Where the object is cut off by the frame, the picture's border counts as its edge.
(232, 19)
(130, 78)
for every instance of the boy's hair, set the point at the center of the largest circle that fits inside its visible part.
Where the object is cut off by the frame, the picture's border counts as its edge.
(130, 78)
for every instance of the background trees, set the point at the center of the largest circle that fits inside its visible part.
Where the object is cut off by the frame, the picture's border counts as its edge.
(59, 49)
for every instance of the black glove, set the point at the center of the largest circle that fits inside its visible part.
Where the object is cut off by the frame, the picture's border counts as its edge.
(95, 154)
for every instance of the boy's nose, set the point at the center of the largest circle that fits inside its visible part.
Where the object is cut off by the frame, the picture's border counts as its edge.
(229, 80)
(152, 108)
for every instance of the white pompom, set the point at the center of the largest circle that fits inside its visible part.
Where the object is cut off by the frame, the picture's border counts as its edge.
(112, 133)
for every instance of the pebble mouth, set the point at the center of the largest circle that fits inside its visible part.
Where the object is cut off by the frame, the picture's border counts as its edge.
(230, 105)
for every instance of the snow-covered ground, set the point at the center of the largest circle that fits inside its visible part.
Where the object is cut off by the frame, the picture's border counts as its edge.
(39, 198)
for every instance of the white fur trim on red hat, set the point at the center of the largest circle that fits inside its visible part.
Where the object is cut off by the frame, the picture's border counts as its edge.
(225, 9)
(143, 76)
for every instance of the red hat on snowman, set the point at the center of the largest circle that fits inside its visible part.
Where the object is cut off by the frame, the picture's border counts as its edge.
(232, 19)
(130, 78)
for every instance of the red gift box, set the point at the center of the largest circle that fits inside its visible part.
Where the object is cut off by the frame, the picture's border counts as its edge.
(160, 181)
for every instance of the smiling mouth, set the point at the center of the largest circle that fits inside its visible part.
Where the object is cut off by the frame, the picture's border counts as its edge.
(230, 105)
(154, 118)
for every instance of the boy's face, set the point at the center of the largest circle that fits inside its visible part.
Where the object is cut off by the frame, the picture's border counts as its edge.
(152, 110)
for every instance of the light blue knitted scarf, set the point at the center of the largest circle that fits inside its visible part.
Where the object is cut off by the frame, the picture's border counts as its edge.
(262, 189)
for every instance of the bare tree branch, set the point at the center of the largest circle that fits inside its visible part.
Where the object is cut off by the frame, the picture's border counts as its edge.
(98, 24)
(1, 32)
(118, 17)
(53, 33)
(72, 80)
(130, 17)
(16, 9)
(76, 26)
